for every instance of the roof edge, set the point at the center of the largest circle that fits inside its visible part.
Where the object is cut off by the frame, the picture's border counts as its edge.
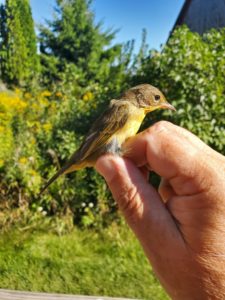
(182, 13)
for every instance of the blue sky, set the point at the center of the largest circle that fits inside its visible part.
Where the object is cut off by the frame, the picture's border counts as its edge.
(130, 16)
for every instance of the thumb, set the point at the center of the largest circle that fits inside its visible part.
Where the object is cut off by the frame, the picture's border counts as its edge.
(140, 203)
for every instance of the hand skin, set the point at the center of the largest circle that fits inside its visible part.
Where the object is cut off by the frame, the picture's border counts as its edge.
(181, 227)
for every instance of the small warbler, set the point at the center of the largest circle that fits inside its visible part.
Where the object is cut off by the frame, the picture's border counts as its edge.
(121, 120)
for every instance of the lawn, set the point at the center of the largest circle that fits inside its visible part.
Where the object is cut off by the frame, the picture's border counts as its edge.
(109, 262)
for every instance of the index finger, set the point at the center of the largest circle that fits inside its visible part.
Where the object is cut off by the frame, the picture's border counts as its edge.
(169, 150)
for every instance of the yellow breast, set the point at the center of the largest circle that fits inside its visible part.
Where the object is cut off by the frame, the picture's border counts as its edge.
(132, 125)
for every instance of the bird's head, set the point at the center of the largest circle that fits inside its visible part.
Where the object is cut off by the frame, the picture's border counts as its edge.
(147, 97)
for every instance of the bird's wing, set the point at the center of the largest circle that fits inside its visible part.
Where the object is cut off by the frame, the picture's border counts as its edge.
(112, 119)
(104, 127)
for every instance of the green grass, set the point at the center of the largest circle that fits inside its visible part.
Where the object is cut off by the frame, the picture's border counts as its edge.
(109, 263)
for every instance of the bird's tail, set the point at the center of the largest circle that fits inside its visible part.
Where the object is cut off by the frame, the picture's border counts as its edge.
(69, 167)
(53, 178)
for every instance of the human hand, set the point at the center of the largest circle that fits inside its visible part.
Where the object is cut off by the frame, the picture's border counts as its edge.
(182, 226)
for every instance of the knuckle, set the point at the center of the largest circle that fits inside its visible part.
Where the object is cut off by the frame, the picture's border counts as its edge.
(158, 129)
(160, 126)
(130, 203)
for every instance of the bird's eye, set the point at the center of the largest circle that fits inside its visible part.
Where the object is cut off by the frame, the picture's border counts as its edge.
(157, 97)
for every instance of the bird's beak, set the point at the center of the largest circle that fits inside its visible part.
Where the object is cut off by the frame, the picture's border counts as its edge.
(167, 105)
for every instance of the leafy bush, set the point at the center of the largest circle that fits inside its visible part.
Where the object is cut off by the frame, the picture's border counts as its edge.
(190, 70)
(38, 133)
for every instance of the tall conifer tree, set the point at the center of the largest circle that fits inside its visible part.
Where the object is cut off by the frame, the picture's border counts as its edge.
(2, 37)
(19, 60)
(73, 37)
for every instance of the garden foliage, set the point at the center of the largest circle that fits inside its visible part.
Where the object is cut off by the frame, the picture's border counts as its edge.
(190, 70)
(80, 72)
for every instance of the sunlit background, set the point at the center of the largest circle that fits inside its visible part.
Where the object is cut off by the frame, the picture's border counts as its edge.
(129, 16)
(56, 78)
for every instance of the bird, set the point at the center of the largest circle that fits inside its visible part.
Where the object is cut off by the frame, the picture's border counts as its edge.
(120, 120)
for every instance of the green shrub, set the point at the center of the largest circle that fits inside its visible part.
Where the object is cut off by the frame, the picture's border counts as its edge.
(38, 132)
(190, 70)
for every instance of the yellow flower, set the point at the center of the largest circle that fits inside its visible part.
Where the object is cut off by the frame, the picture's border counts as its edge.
(44, 102)
(47, 127)
(11, 102)
(21, 105)
(35, 107)
(23, 160)
(17, 91)
(53, 106)
(88, 96)
(59, 94)
(2, 129)
(32, 172)
(1, 162)
(27, 96)
(33, 141)
(46, 94)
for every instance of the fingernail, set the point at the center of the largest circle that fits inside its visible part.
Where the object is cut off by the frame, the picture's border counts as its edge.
(106, 167)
